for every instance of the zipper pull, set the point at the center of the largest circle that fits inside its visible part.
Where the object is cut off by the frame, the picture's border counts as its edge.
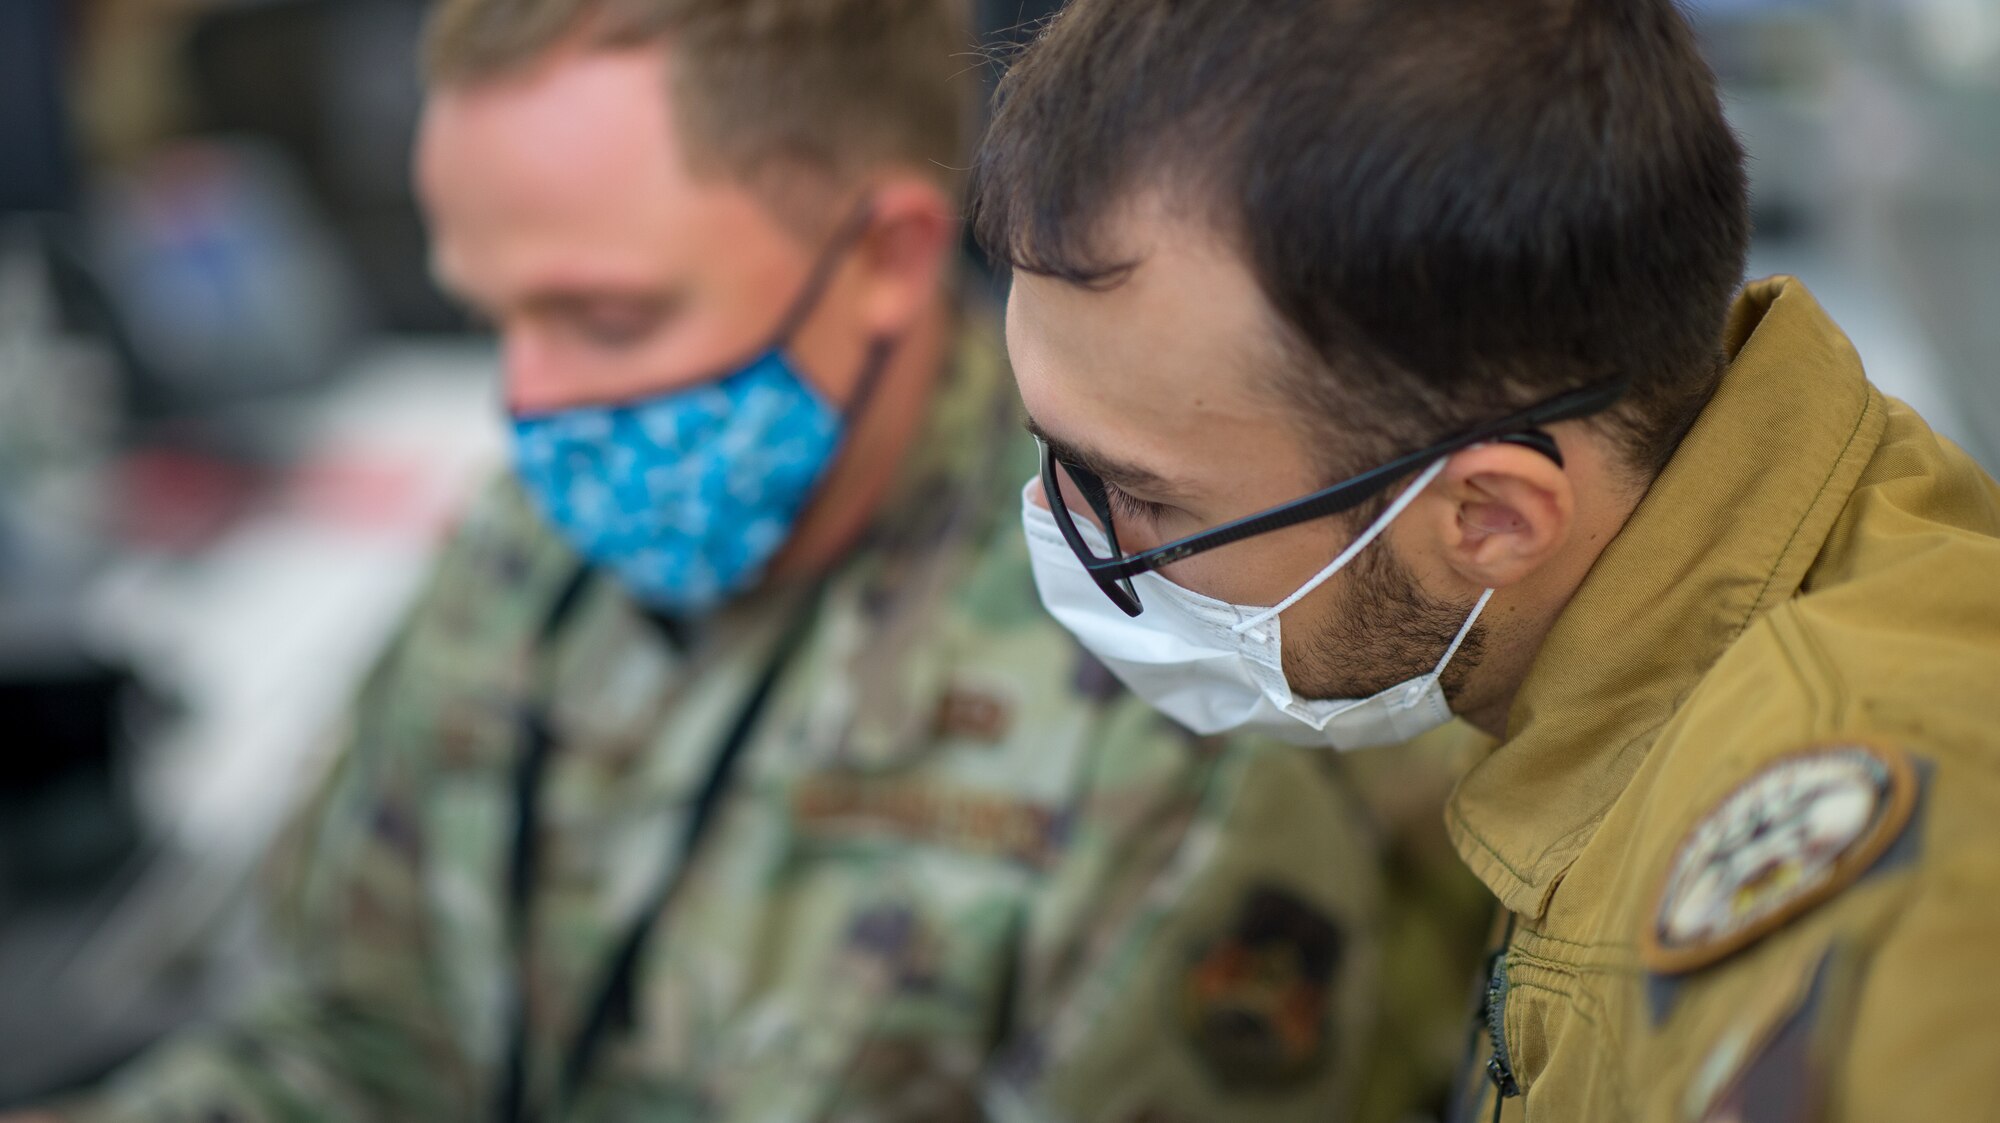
(1498, 1068)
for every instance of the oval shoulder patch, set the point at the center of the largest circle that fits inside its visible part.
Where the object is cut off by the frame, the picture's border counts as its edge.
(1791, 836)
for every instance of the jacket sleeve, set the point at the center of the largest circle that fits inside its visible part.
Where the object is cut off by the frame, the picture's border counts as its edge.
(351, 1030)
(1253, 940)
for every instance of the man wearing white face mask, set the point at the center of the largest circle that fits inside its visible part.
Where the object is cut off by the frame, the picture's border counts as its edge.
(1388, 361)
(1213, 666)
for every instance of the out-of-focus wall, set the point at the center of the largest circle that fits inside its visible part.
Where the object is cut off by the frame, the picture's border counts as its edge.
(235, 420)
(1874, 133)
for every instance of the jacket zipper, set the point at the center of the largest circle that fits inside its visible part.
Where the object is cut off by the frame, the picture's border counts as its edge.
(1499, 1068)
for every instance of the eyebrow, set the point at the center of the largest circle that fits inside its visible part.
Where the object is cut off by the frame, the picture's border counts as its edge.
(568, 303)
(569, 297)
(1125, 475)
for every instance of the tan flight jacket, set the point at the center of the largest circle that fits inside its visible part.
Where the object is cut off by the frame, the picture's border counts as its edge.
(1814, 571)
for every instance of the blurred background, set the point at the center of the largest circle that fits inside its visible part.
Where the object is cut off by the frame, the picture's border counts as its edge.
(235, 417)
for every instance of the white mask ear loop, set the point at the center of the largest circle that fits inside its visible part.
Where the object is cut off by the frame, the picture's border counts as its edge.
(1463, 632)
(1368, 536)
(1416, 687)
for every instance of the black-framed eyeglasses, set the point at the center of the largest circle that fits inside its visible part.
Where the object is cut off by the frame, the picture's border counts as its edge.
(1114, 573)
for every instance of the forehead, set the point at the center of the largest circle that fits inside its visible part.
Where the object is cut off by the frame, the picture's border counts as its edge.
(1180, 358)
(575, 164)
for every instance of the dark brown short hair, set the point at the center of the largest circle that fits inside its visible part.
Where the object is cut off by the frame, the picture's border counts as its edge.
(1455, 207)
(766, 89)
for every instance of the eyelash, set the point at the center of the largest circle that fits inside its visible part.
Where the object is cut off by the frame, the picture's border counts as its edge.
(1133, 508)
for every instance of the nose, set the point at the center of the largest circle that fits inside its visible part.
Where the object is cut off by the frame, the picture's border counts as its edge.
(527, 371)
(1072, 497)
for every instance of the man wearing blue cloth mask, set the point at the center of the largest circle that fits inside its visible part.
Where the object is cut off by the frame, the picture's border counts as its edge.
(728, 769)
(687, 494)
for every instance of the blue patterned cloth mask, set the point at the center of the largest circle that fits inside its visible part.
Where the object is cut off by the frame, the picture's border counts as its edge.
(686, 497)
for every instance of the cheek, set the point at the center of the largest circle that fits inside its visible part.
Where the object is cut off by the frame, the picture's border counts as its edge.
(1260, 571)
(547, 368)
(830, 349)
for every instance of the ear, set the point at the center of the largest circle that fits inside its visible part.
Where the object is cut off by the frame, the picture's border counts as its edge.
(1499, 513)
(912, 231)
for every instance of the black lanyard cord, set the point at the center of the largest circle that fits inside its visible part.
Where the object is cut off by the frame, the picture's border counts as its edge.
(537, 742)
(613, 1006)
(521, 870)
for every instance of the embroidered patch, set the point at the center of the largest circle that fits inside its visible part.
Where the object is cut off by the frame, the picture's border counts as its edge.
(840, 806)
(1788, 838)
(1256, 1001)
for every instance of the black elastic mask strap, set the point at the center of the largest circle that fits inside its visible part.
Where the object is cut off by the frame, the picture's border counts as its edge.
(807, 302)
(881, 350)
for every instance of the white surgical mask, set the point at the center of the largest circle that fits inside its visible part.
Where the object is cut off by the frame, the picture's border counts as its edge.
(1217, 667)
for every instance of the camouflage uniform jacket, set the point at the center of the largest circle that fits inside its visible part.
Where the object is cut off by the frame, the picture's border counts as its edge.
(957, 874)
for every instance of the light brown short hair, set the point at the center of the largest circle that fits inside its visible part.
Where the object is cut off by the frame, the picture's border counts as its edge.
(765, 89)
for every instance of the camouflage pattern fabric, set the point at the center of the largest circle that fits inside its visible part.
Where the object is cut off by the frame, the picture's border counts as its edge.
(959, 874)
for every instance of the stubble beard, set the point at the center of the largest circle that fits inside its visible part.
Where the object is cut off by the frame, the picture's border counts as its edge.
(1387, 630)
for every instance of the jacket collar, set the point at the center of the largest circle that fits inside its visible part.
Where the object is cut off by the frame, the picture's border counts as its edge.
(1724, 534)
